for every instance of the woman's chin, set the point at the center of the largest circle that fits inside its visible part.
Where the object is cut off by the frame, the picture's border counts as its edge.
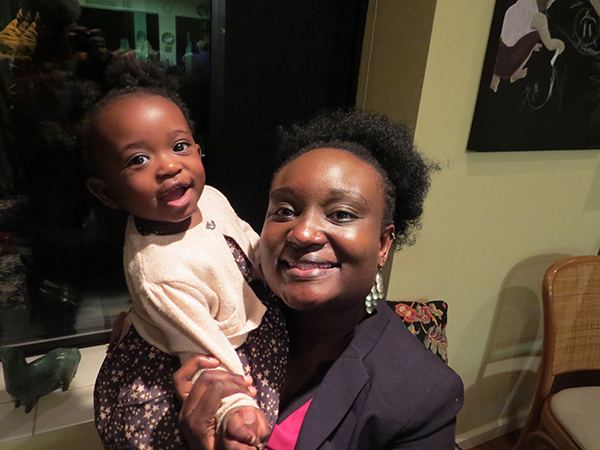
(301, 304)
(317, 302)
(304, 300)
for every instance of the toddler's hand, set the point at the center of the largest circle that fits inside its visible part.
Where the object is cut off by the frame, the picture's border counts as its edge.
(245, 427)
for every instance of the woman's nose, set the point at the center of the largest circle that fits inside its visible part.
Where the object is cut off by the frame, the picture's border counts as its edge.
(307, 231)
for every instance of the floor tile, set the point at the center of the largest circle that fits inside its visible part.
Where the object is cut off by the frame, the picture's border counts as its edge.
(62, 409)
(89, 366)
(4, 397)
(80, 437)
(14, 423)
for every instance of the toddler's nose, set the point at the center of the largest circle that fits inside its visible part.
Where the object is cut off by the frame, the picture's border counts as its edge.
(168, 167)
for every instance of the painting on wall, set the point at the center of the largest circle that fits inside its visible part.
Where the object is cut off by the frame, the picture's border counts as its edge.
(540, 84)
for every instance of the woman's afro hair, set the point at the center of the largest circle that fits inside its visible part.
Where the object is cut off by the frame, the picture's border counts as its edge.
(385, 145)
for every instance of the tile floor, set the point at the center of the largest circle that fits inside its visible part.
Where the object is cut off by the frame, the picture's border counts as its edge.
(506, 442)
(58, 409)
(78, 437)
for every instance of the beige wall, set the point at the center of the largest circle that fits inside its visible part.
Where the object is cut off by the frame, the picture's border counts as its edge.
(391, 74)
(493, 221)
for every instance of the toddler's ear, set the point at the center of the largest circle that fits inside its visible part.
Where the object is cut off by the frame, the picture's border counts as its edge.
(99, 189)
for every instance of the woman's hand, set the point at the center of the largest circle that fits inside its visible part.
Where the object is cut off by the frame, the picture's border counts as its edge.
(243, 428)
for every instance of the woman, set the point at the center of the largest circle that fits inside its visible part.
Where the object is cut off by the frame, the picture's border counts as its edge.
(351, 186)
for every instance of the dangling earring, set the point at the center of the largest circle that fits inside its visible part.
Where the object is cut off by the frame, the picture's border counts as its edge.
(376, 293)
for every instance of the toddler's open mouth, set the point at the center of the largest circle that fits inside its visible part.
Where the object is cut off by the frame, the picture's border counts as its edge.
(178, 195)
(174, 194)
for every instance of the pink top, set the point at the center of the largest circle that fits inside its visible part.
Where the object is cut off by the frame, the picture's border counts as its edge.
(285, 434)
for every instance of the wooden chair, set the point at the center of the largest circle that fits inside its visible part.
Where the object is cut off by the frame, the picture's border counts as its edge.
(565, 414)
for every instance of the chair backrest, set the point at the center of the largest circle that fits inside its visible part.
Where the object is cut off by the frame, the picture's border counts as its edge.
(571, 296)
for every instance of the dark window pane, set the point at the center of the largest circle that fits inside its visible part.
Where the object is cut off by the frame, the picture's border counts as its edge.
(256, 66)
(61, 276)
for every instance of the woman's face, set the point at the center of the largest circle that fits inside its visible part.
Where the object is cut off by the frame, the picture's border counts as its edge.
(322, 239)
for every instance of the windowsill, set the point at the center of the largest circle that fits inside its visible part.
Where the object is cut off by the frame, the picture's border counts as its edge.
(57, 410)
(89, 323)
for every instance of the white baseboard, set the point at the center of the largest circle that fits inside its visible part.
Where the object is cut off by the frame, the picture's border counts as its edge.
(490, 431)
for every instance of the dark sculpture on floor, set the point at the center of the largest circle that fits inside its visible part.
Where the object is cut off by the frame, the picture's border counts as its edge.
(27, 382)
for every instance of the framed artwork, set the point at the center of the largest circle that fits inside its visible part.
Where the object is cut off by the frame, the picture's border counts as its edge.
(540, 83)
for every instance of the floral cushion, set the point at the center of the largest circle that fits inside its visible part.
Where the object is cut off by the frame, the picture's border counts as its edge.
(427, 321)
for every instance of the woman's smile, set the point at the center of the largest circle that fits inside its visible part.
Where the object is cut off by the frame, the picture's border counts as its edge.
(308, 268)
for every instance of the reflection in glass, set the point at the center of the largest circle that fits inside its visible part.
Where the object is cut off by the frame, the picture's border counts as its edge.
(60, 259)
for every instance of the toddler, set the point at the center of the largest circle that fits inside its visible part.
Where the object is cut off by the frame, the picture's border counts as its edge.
(188, 263)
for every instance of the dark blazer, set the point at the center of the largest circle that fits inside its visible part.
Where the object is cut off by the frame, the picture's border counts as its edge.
(386, 391)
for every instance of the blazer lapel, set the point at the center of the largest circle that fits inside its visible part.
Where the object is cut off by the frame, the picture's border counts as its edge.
(340, 387)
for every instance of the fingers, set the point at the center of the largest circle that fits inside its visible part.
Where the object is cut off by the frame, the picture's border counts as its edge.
(201, 398)
(263, 431)
(260, 428)
(214, 385)
(199, 408)
(238, 425)
(184, 377)
(245, 425)
(197, 416)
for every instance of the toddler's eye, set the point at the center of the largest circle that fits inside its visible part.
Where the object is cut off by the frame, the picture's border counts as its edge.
(181, 146)
(138, 160)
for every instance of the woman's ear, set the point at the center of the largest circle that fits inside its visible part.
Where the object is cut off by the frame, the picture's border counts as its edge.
(100, 190)
(386, 241)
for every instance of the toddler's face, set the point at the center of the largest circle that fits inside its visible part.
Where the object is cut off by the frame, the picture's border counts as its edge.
(147, 161)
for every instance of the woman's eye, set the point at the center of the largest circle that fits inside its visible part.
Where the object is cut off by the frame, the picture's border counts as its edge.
(138, 160)
(343, 216)
(283, 213)
(181, 146)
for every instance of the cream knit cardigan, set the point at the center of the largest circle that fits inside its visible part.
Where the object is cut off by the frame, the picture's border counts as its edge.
(189, 295)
